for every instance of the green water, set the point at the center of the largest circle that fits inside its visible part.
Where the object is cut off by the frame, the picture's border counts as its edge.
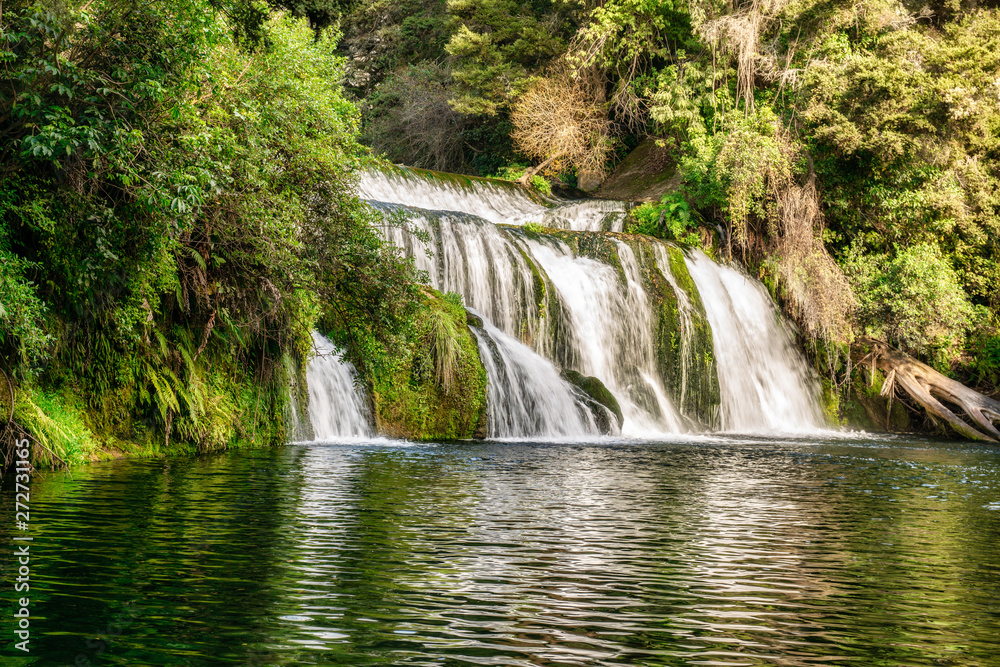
(701, 552)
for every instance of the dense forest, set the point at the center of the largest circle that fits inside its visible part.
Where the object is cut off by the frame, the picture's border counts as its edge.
(176, 185)
(176, 216)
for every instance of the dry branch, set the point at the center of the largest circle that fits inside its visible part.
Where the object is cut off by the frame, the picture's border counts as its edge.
(929, 388)
(559, 117)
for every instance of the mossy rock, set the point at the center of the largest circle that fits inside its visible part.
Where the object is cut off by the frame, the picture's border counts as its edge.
(646, 174)
(864, 407)
(696, 392)
(413, 399)
(595, 390)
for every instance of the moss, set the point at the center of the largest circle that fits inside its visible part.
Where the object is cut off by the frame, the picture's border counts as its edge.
(237, 410)
(411, 400)
(830, 402)
(701, 397)
(863, 406)
(600, 394)
(538, 281)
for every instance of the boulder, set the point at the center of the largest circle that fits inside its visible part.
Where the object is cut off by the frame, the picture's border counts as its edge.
(596, 395)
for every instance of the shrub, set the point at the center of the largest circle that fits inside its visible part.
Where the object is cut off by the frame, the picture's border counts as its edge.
(912, 299)
(562, 118)
(670, 220)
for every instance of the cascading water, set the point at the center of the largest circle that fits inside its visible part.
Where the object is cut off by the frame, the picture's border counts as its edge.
(473, 257)
(622, 309)
(764, 379)
(498, 202)
(588, 215)
(612, 331)
(495, 201)
(336, 408)
(526, 396)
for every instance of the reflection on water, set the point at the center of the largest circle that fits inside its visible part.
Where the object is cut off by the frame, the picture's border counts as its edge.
(723, 552)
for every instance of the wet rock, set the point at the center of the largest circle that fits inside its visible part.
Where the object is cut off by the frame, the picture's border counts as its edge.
(598, 397)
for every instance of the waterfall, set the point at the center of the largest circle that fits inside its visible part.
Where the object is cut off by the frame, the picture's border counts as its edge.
(470, 256)
(526, 396)
(682, 343)
(764, 379)
(611, 323)
(498, 202)
(336, 408)
(587, 215)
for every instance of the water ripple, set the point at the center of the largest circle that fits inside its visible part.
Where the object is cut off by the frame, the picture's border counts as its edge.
(726, 551)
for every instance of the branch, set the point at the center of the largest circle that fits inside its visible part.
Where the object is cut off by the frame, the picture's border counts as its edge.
(928, 388)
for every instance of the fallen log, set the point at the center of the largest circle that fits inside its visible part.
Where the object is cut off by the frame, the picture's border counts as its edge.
(929, 388)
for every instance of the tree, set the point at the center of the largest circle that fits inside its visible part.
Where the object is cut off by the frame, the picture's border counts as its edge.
(562, 118)
(499, 46)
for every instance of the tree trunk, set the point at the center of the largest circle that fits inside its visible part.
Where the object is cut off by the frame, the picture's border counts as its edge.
(528, 173)
(928, 388)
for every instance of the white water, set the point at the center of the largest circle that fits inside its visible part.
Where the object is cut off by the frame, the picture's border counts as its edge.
(764, 380)
(526, 396)
(472, 257)
(336, 409)
(593, 317)
(588, 215)
(612, 326)
(497, 202)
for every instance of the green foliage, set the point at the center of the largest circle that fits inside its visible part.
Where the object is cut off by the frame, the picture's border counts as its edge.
(176, 207)
(985, 350)
(907, 131)
(514, 172)
(541, 184)
(912, 299)
(627, 40)
(670, 219)
(739, 170)
(321, 13)
(23, 339)
(500, 45)
(437, 386)
(57, 424)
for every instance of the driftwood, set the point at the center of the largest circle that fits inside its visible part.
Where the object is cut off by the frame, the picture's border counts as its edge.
(929, 388)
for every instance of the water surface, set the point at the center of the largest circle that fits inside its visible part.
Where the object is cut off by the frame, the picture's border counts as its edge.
(735, 551)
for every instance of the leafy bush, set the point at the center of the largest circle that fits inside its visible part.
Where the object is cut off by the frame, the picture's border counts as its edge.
(912, 299)
(22, 331)
(514, 172)
(670, 220)
(185, 198)
(985, 349)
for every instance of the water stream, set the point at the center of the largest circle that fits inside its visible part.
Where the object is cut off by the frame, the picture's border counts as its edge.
(766, 384)
(337, 407)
